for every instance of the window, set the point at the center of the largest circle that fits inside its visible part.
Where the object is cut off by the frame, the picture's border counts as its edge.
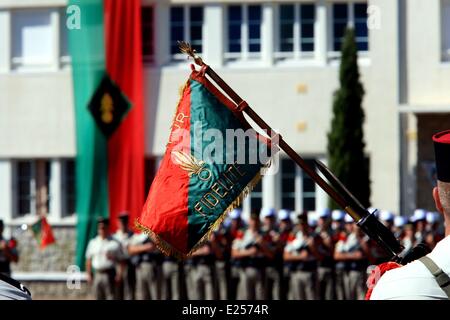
(32, 38)
(360, 25)
(32, 187)
(39, 39)
(307, 19)
(147, 22)
(186, 24)
(308, 190)
(68, 187)
(296, 29)
(254, 28)
(353, 15)
(244, 31)
(445, 30)
(25, 187)
(42, 186)
(288, 184)
(287, 27)
(298, 191)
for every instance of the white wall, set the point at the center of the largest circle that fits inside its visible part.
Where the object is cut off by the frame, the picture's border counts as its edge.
(428, 77)
(381, 101)
(36, 115)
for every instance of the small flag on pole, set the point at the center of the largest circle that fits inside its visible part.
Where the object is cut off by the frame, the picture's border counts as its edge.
(43, 233)
(212, 161)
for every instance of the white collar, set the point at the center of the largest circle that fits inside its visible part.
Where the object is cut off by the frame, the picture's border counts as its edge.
(441, 254)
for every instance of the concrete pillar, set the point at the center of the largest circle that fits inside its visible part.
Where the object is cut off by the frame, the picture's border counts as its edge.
(6, 190)
(329, 26)
(320, 33)
(55, 26)
(246, 209)
(244, 33)
(55, 185)
(213, 34)
(297, 31)
(321, 196)
(269, 191)
(267, 34)
(41, 188)
(409, 152)
(162, 36)
(5, 41)
(299, 189)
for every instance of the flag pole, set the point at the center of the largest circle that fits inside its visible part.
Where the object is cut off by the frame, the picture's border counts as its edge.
(364, 219)
(187, 49)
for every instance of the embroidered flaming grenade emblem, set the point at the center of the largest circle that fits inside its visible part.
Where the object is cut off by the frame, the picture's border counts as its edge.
(107, 108)
(192, 165)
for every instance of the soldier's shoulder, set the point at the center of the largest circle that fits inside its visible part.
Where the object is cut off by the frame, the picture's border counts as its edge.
(113, 240)
(94, 240)
(11, 289)
(411, 280)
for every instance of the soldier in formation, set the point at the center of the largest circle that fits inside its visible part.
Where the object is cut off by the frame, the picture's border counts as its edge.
(274, 255)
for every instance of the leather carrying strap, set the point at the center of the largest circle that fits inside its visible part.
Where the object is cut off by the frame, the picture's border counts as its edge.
(440, 276)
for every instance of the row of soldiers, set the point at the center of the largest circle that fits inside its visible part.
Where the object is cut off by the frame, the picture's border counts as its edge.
(271, 256)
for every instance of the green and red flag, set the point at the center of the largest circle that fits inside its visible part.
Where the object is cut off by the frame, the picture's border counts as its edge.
(208, 167)
(43, 232)
(108, 93)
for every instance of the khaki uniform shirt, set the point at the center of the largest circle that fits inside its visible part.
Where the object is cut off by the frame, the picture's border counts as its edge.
(103, 252)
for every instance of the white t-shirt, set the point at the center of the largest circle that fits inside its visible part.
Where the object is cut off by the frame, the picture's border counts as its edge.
(414, 281)
(103, 252)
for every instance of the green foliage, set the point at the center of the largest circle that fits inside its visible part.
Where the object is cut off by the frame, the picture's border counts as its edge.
(346, 139)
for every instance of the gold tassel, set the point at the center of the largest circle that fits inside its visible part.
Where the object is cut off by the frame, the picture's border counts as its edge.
(160, 243)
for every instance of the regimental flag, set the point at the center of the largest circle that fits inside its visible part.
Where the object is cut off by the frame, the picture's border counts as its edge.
(42, 232)
(207, 169)
(108, 91)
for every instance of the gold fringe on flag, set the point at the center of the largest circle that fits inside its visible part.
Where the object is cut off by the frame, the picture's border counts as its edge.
(169, 250)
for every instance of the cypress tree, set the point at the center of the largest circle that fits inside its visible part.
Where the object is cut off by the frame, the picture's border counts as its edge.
(346, 138)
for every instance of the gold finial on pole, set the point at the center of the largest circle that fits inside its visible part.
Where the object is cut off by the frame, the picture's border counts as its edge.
(186, 48)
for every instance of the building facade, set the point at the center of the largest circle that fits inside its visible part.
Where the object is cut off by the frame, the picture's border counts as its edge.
(281, 56)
